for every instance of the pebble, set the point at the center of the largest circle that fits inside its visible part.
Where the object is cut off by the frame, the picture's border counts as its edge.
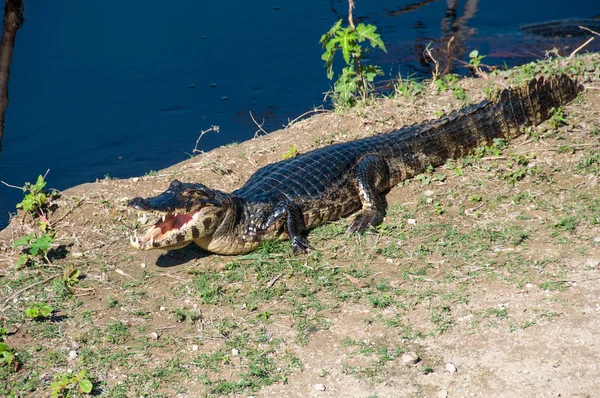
(411, 221)
(154, 335)
(450, 368)
(72, 355)
(428, 192)
(195, 347)
(410, 358)
(163, 308)
(442, 394)
(235, 352)
(319, 387)
(135, 179)
(592, 263)
(597, 239)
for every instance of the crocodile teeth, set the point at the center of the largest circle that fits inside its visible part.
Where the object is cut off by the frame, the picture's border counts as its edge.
(163, 217)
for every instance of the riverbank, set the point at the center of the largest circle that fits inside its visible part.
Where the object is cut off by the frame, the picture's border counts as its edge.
(489, 264)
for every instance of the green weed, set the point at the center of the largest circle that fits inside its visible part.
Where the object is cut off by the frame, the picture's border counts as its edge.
(356, 76)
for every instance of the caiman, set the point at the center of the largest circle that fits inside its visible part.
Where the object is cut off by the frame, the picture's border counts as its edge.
(289, 197)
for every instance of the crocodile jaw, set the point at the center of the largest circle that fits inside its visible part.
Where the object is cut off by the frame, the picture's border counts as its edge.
(171, 231)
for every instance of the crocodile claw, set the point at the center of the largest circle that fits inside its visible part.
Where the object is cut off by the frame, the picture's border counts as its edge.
(364, 220)
(300, 245)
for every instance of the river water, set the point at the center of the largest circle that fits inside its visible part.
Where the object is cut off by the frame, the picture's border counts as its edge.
(119, 89)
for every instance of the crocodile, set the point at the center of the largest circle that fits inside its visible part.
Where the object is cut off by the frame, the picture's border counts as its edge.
(283, 200)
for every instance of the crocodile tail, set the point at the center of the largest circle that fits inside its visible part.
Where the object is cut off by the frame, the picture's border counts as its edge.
(503, 116)
(532, 103)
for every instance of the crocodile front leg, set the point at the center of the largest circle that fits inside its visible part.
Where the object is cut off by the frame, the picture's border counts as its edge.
(372, 178)
(294, 225)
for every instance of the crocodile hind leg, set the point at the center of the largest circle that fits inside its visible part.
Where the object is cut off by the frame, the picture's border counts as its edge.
(372, 177)
(294, 225)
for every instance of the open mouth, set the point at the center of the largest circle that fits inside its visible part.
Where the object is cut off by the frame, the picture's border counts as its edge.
(165, 230)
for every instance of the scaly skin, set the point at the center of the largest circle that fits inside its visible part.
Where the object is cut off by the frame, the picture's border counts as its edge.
(287, 198)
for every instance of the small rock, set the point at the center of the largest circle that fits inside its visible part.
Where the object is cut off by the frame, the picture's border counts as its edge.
(143, 265)
(235, 352)
(154, 335)
(450, 368)
(195, 347)
(135, 179)
(410, 358)
(592, 263)
(429, 200)
(411, 221)
(163, 308)
(319, 387)
(428, 192)
(442, 394)
(72, 355)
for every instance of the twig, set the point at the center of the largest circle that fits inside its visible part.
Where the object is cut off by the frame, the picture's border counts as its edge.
(212, 128)
(316, 110)
(11, 186)
(273, 280)
(350, 8)
(588, 41)
(18, 292)
(257, 125)
(589, 30)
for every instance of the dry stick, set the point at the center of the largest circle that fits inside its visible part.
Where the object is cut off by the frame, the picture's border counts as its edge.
(18, 292)
(212, 128)
(580, 47)
(11, 186)
(589, 30)
(350, 8)
(316, 110)
(273, 280)
(257, 125)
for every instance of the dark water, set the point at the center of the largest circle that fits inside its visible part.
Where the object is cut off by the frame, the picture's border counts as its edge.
(123, 88)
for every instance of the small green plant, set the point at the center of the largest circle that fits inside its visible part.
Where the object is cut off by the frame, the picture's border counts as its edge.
(408, 87)
(70, 275)
(475, 62)
(557, 119)
(356, 76)
(34, 246)
(7, 355)
(38, 311)
(66, 384)
(292, 153)
(35, 200)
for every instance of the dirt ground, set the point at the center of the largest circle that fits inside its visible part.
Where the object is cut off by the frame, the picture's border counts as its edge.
(483, 281)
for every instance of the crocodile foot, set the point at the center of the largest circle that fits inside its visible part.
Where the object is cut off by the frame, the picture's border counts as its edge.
(364, 220)
(300, 245)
